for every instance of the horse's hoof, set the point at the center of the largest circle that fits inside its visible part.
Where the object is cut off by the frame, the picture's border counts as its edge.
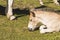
(42, 32)
(12, 17)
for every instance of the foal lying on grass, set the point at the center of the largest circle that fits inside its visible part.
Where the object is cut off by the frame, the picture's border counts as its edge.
(50, 21)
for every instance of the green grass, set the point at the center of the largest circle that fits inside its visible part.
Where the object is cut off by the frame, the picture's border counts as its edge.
(17, 29)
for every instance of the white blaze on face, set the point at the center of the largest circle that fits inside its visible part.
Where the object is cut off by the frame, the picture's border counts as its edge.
(30, 26)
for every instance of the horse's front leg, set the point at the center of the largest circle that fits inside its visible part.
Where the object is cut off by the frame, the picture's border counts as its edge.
(44, 29)
(56, 2)
(9, 10)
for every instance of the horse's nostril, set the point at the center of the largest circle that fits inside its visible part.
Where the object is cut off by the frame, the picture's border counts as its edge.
(30, 29)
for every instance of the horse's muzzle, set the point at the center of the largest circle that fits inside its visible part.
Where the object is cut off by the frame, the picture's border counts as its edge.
(30, 29)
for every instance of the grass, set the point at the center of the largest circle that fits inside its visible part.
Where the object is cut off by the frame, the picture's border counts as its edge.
(16, 29)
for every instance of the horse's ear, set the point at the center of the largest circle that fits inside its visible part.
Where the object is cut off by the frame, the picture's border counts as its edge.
(32, 14)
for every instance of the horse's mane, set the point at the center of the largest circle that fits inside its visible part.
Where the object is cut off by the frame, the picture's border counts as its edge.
(46, 9)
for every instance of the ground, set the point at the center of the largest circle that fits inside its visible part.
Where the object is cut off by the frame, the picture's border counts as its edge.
(17, 29)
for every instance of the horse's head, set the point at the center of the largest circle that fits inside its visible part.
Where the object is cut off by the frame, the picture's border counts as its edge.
(33, 21)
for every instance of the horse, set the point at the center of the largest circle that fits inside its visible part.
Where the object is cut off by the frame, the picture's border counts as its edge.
(50, 21)
(9, 8)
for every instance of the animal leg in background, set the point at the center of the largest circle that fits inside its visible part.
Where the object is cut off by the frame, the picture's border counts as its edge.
(9, 10)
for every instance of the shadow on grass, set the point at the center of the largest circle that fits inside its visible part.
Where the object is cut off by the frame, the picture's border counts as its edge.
(21, 12)
(2, 10)
(42, 6)
(17, 11)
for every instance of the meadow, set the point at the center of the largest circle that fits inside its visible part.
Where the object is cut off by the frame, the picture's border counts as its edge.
(17, 29)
